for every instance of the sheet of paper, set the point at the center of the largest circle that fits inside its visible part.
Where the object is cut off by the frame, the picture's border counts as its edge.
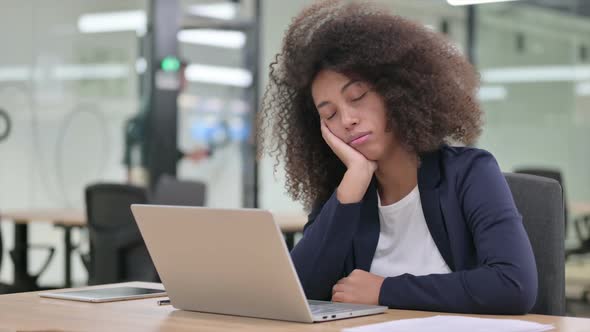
(453, 324)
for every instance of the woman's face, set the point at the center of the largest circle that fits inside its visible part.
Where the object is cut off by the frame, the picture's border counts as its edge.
(354, 112)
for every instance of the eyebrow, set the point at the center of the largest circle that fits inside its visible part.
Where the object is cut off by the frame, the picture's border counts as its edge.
(351, 82)
(324, 103)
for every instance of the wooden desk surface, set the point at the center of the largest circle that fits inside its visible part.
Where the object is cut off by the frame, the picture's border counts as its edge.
(29, 312)
(579, 208)
(74, 217)
(290, 223)
(67, 217)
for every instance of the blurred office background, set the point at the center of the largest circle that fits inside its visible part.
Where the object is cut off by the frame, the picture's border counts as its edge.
(73, 72)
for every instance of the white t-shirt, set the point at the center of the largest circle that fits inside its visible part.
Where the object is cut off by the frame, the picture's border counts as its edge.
(405, 244)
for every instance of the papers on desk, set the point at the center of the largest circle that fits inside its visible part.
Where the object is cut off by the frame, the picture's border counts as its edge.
(453, 324)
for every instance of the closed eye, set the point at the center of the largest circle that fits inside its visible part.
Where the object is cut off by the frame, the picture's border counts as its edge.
(360, 97)
(331, 116)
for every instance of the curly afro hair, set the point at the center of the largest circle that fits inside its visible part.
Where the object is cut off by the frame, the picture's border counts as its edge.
(427, 85)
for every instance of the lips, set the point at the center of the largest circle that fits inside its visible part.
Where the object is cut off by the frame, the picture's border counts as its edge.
(359, 138)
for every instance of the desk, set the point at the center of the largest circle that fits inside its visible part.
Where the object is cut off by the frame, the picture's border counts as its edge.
(579, 209)
(70, 218)
(290, 223)
(64, 218)
(577, 280)
(29, 312)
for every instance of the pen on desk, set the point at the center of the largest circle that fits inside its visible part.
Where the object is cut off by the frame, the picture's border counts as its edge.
(164, 302)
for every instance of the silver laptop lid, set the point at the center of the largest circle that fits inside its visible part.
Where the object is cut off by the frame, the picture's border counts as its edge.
(211, 260)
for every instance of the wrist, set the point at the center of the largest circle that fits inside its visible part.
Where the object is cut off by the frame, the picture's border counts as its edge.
(363, 171)
(353, 186)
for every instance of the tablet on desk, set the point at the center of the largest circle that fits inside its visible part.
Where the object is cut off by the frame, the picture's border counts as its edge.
(105, 294)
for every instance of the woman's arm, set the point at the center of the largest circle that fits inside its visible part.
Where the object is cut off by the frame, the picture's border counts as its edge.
(327, 238)
(505, 281)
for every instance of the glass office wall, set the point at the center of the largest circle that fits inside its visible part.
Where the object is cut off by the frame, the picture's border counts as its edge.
(216, 107)
(67, 93)
(535, 61)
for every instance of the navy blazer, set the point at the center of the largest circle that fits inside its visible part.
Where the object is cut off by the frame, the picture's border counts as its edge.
(473, 221)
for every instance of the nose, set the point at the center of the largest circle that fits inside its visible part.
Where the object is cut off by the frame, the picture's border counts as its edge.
(349, 118)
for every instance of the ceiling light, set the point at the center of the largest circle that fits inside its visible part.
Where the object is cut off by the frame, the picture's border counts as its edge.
(222, 11)
(472, 2)
(134, 20)
(218, 75)
(218, 38)
(492, 92)
(536, 74)
(12, 74)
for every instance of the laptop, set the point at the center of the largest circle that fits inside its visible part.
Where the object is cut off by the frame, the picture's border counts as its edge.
(232, 262)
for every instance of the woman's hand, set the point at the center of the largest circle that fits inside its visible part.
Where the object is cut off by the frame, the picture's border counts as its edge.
(359, 172)
(359, 287)
(349, 156)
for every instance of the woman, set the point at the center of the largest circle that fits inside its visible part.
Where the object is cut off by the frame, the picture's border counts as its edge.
(362, 107)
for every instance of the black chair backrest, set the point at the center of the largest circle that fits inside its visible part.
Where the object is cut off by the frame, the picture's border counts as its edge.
(551, 173)
(171, 191)
(118, 252)
(540, 202)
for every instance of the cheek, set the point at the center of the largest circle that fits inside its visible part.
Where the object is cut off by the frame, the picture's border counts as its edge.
(337, 130)
(377, 105)
(385, 136)
(379, 119)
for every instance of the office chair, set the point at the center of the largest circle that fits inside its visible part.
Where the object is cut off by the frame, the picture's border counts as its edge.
(581, 224)
(550, 173)
(171, 191)
(117, 250)
(540, 202)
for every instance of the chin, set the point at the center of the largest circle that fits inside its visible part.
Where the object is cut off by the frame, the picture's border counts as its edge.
(370, 155)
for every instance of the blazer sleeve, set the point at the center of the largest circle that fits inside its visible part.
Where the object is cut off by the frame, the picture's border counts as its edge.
(505, 279)
(327, 239)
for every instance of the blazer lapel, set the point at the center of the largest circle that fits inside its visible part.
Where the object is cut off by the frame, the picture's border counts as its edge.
(429, 177)
(367, 235)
